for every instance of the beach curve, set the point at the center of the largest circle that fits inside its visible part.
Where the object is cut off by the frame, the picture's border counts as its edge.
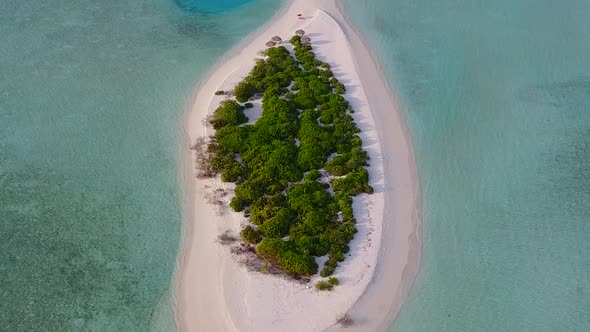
(213, 292)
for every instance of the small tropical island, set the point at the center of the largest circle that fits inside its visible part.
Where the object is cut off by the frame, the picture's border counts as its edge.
(300, 179)
(297, 167)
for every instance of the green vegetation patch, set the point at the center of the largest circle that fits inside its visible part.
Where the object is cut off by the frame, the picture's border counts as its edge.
(327, 285)
(324, 285)
(297, 167)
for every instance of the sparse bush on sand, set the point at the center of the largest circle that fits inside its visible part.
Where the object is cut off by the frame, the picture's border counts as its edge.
(333, 281)
(345, 320)
(323, 285)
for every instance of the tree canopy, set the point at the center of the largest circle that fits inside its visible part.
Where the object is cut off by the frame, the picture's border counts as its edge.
(297, 167)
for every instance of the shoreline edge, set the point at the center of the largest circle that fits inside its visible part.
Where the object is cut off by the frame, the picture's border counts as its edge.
(399, 252)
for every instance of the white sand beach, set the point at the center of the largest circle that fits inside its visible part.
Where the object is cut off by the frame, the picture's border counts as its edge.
(214, 293)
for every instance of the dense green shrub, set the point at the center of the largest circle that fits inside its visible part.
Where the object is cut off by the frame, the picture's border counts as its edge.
(326, 73)
(310, 245)
(345, 206)
(280, 253)
(329, 268)
(248, 191)
(268, 166)
(347, 213)
(312, 175)
(232, 171)
(309, 196)
(338, 87)
(237, 204)
(311, 156)
(347, 162)
(233, 139)
(304, 101)
(315, 146)
(277, 226)
(354, 183)
(250, 235)
(229, 113)
(244, 91)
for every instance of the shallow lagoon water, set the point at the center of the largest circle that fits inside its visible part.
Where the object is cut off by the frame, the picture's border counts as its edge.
(496, 95)
(497, 99)
(209, 7)
(91, 102)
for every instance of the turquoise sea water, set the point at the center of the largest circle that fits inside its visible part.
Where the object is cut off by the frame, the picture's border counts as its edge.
(91, 100)
(496, 95)
(210, 7)
(497, 98)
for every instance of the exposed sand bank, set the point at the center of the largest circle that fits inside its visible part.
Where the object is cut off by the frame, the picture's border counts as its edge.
(214, 293)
